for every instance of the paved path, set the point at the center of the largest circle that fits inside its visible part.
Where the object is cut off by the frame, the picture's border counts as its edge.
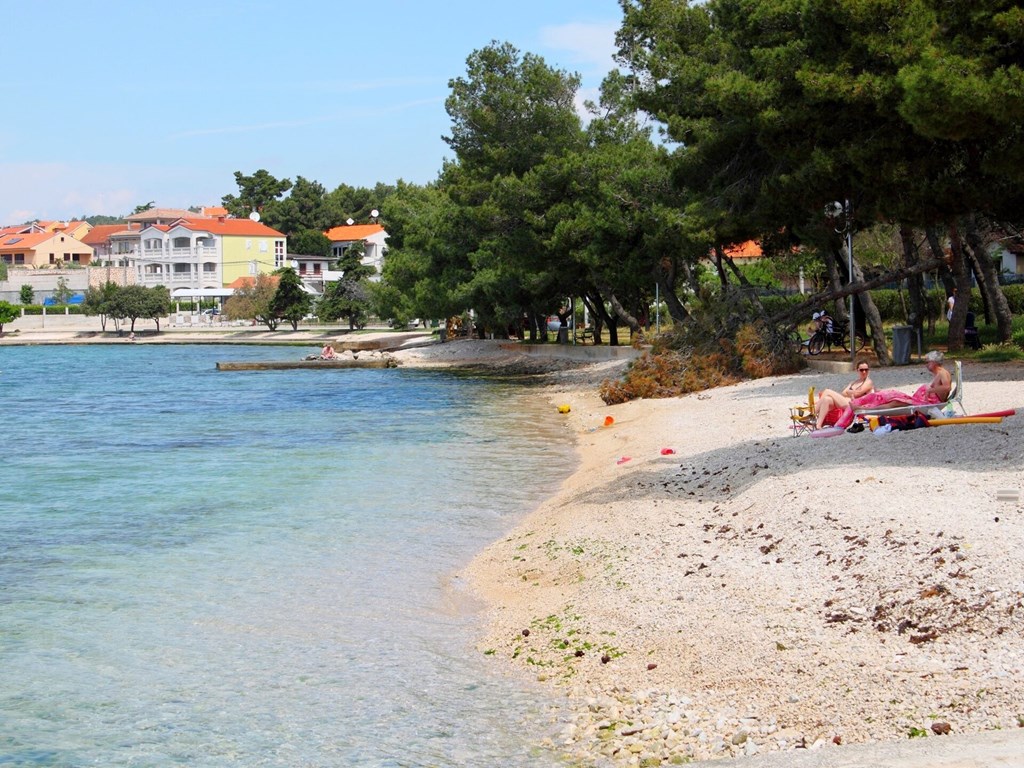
(994, 749)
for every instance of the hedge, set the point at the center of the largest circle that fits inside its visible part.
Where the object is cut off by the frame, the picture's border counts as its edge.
(56, 309)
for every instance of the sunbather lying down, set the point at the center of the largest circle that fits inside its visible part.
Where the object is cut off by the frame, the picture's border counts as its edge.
(927, 394)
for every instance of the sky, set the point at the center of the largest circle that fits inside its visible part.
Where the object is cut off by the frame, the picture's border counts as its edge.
(114, 104)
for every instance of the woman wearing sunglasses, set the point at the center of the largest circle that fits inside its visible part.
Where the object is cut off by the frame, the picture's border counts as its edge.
(830, 404)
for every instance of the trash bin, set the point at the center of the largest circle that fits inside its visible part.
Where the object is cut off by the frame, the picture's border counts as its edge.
(901, 340)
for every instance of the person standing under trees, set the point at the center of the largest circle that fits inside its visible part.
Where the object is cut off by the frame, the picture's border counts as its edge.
(950, 303)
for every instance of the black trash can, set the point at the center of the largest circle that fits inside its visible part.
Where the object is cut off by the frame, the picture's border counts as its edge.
(902, 337)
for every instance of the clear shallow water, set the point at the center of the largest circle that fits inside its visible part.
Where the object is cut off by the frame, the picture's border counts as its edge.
(216, 568)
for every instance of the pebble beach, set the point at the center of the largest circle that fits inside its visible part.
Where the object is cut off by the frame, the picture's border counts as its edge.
(707, 587)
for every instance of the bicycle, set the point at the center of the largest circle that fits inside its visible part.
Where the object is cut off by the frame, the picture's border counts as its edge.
(836, 337)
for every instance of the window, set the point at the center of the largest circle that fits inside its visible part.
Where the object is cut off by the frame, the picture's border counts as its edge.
(263, 246)
(7, 258)
(19, 258)
(316, 268)
(279, 253)
(53, 260)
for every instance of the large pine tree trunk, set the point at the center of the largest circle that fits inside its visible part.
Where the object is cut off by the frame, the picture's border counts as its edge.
(622, 313)
(932, 236)
(665, 276)
(915, 283)
(873, 318)
(962, 280)
(988, 281)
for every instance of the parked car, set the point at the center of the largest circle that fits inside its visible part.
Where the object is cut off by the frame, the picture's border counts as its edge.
(213, 311)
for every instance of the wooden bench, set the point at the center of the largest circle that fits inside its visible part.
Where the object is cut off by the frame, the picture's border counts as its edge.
(583, 335)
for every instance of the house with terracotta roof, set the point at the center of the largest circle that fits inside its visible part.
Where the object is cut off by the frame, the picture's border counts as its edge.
(370, 237)
(113, 242)
(44, 249)
(20, 229)
(198, 256)
(77, 229)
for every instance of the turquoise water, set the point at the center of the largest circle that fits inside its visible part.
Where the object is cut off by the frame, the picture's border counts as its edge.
(213, 568)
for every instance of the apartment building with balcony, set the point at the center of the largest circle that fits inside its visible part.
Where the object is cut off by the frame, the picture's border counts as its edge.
(202, 256)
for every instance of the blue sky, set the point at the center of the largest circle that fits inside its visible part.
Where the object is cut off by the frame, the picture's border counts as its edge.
(112, 104)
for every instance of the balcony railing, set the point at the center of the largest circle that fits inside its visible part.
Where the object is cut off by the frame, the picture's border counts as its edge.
(178, 255)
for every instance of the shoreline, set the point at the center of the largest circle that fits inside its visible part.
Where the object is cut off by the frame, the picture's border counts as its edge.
(755, 593)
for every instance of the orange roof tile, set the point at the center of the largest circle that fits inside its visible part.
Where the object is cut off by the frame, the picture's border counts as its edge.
(226, 226)
(17, 242)
(353, 232)
(748, 250)
(246, 281)
(101, 233)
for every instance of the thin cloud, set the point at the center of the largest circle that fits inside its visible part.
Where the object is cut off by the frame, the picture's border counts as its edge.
(591, 45)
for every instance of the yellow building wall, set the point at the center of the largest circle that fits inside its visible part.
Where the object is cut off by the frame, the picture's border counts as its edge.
(238, 253)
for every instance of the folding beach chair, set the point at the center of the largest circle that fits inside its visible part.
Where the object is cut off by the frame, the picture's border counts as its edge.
(955, 398)
(802, 418)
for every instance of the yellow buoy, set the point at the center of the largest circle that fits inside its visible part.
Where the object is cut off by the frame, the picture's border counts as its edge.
(564, 409)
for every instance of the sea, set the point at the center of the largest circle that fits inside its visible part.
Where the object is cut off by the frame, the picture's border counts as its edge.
(258, 568)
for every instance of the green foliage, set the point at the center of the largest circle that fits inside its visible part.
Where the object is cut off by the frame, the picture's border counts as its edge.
(254, 193)
(345, 298)
(8, 313)
(305, 208)
(101, 219)
(1001, 353)
(252, 301)
(99, 301)
(26, 295)
(290, 301)
(309, 242)
(3, 270)
(62, 294)
(130, 302)
(1015, 297)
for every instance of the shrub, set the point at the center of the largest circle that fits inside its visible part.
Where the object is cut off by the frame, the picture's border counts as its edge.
(697, 357)
(670, 373)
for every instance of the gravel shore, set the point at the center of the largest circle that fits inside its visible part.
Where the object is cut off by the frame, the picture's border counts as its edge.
(706, 586)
